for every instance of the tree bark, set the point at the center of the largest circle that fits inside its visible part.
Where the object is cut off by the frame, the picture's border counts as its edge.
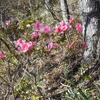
(47, 5)
(65, 10)
(90, 15)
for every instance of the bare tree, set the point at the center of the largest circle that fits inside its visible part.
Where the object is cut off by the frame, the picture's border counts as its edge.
(90, 11)
(65, 10)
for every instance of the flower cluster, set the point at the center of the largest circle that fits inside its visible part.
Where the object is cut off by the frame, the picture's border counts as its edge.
(51, 45)
(62, 27)
(23, 46)
(40, 27)
(47, 29)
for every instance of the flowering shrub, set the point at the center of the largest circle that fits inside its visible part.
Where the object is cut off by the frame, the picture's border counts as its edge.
(23, 46)
(38, 42)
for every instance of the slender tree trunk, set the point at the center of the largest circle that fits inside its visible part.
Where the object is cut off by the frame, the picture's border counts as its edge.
(90, 11)
(47, 5)
(65, 10)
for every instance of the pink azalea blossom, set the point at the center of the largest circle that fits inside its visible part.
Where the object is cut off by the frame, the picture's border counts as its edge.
(55, 45)
(70, 46)
(79, 27)
(35, 34)
(62, 24)
(66, 27)
(23, 46)
(58, 29)
(48, 29)
(2, 55)
(26, 33)
(7, 22)
(85, 45)
(71, 20)
(31, 44)
(38, 26)
(63, 27)
(19, 42)
(27, 46)
(50, 45)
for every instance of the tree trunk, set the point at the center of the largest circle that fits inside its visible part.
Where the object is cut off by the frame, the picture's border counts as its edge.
(47, 4)
(65, 10)
(90, 15)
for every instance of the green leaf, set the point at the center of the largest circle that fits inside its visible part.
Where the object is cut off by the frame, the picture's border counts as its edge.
(69, 81)
(65, 69)
(86, 77)
(81, 92)
(72, 92)
(89, 96)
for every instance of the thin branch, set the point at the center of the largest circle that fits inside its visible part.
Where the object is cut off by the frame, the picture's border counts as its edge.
(5, 81)
(54, 16)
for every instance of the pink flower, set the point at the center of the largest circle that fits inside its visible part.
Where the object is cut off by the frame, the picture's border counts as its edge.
(35, 34)
(71, 20)
(58, 29)
(27, 46)
(66, 27)
(50, 45)
(19, 42)
(48, 29)
(62, 24)
(70, 46)
(2, 55)
(85, 45)
(55, 45)
(26, 33)
(31, 44)
(38, 26)
(7, 22)
(79, 27)
(23, 46)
